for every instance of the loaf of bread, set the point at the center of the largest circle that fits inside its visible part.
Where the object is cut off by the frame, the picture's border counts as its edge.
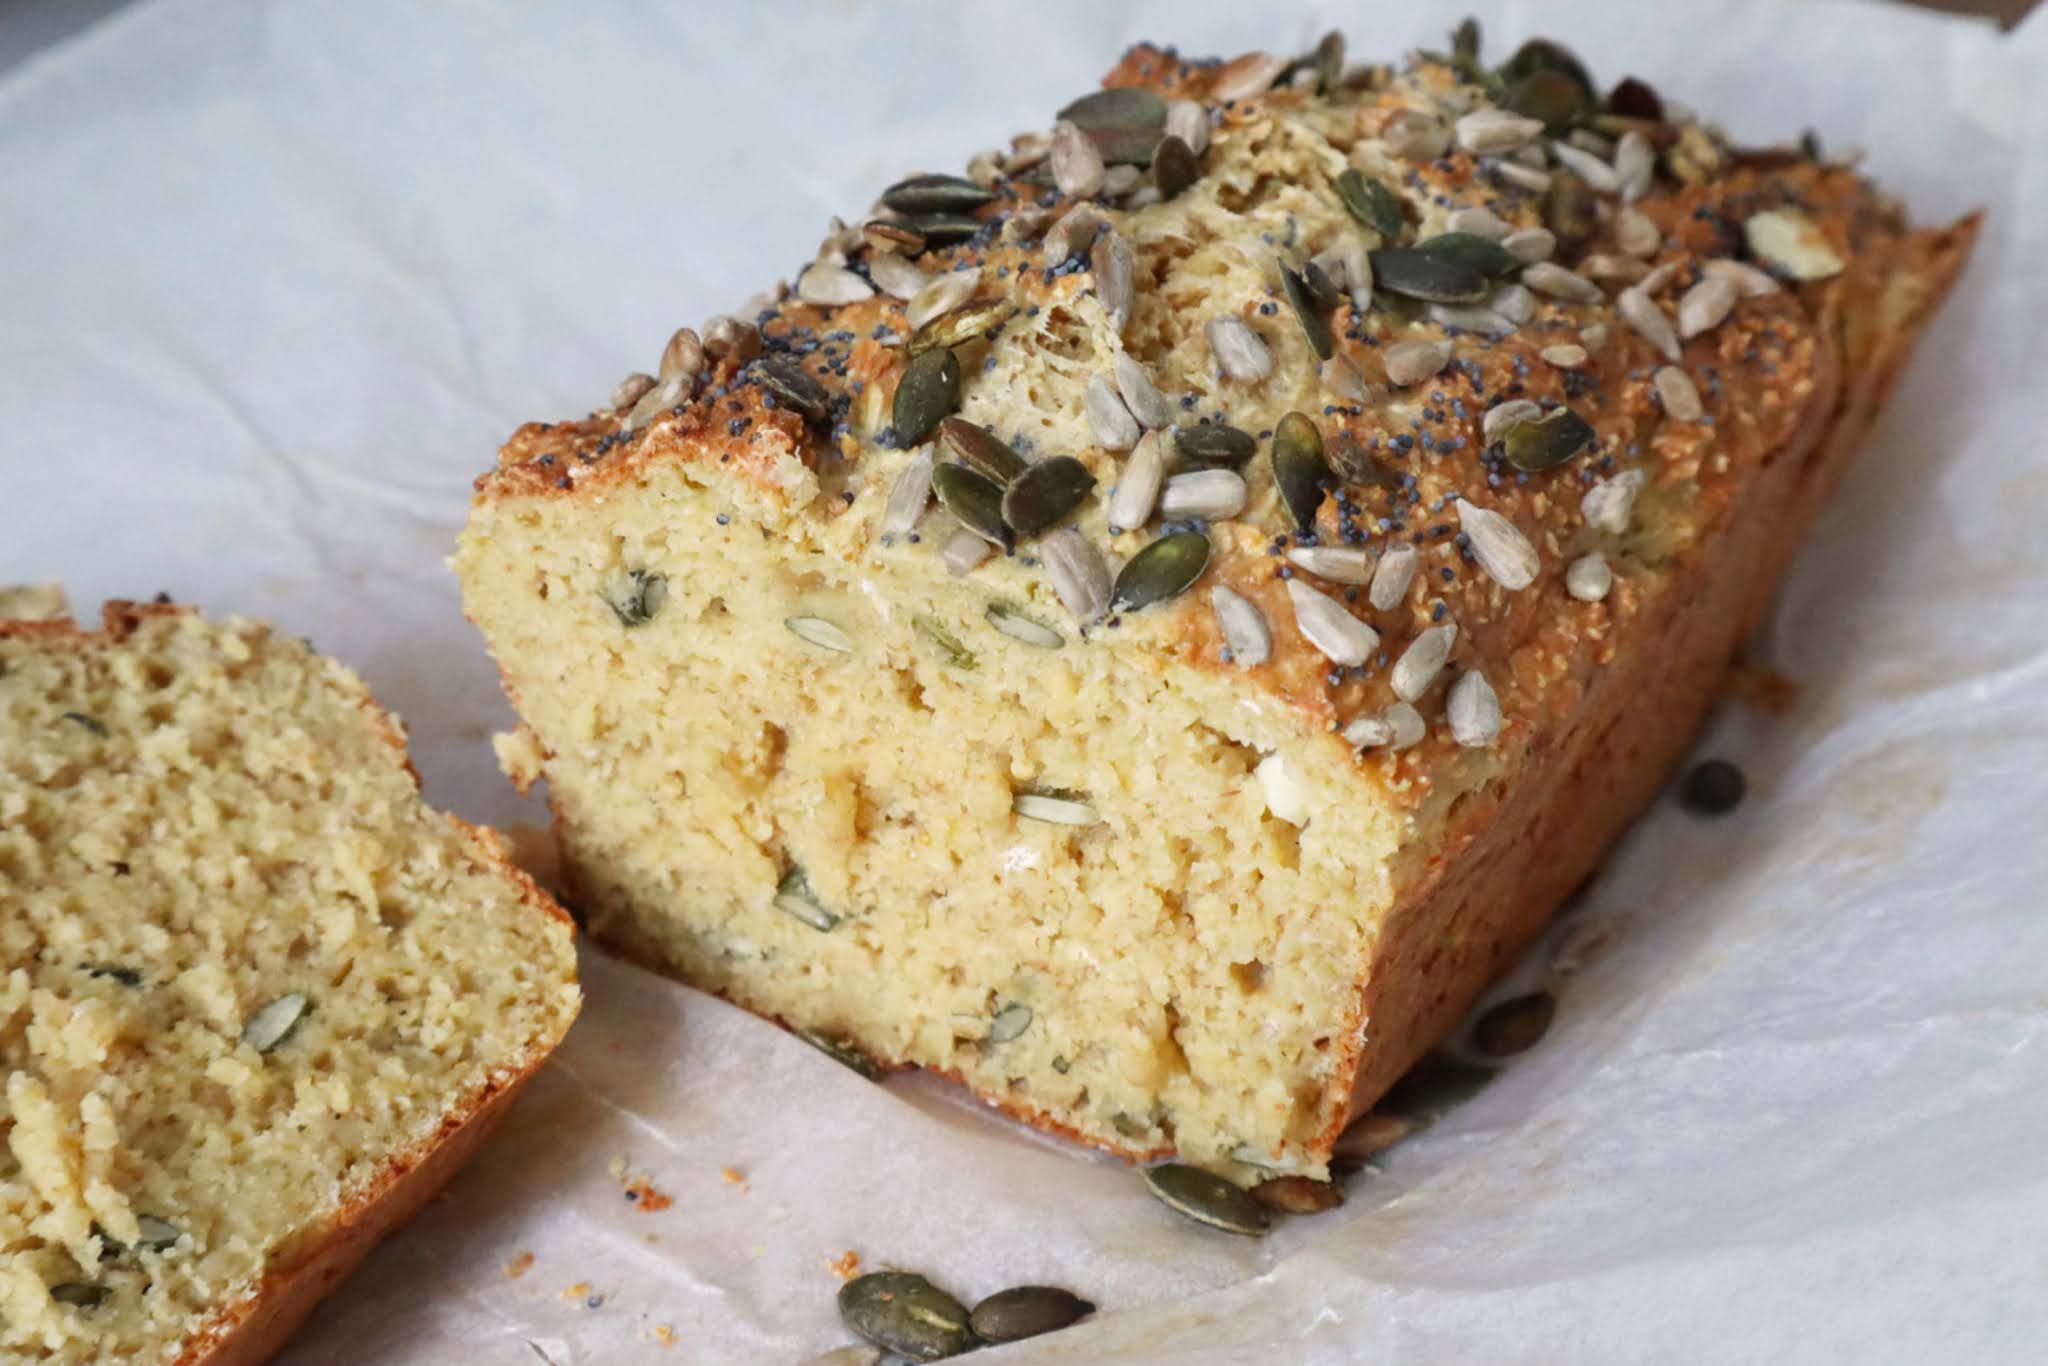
(257, 1000)
(1148, 627)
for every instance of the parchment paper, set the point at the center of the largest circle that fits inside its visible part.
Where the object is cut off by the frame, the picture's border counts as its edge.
(275, 280)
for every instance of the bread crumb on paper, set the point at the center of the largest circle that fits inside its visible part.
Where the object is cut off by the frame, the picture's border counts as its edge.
(518, 1266)
(845, 1267)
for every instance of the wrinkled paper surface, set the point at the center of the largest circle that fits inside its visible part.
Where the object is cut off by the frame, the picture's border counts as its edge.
(275, 280)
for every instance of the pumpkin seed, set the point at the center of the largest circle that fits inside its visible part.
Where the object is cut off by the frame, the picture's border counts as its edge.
(793, 896)
(936, 194)
(1548, 96)
(1213, 443)
(976, 500)
(1637, 99)
(1026, 1311)
(1078, 573)
(1422, 275)
(1314, 319)
(1499, 546)
(156, 1235)
(1207, 1198)
(1392, 575)
(1017, 626)
(1436, 1084)
(1473, 251)
(1473, 709)
(1337, 563)
(1045, 494)
(980, 450)
(826, 635)
(1325, 624)
(905, 1313)
(91, 724)
(1243, 626)
(1164, 569)
(1465, 45)
(1128, 107)
(1130, 1126)
(1114, 265)
(1299, 470)
(1327, 61)
(1137, 487)
(1174, 167)
(926, 395)
(1544, 443)
(1240, 352)
(1042, 806)
(1297, 1195)
(1109, 420)
(1140, 394)
(1009, 1023)
(1422, 661)
(274, 1022)
(1370, 202)
(958, 655)
(1514, 1026)
(909, 494)
(959, 327)
(942, 229)
(1543, 54)
(79, 1295)
(842, 1052)
(1713, 788)
(1588, 578)
(785, 379)
(1207, 495)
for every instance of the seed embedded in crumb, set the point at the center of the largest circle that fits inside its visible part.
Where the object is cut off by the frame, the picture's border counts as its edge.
(910, 493)
(963, 551)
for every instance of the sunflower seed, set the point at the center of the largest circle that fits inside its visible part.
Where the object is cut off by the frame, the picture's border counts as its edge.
(964, 551)
(1499, 546)
(1588, 578)
(1542, 443)
(272, 1024)
(890, 239)
(1137, 488)
(1140, 394)
(1469, 249)
(1609, 504)
(1635, 164)
(730, 339)
(1501, 416)
(985, 168)
(959, 327)
(1114, 266)
(1636, 234)
(1110, 421)
(1422, 661)
(1174, 167)
(658, 400)
(1515, 303)
(1243, 626)
(630, 391)
(1038, 806)
(1531, 244)
(1478, 222)
(1164, 569)
(936, 194)
(1587, 167)
(1017, 626)
(1325, 624)
(1747, 280)
(1368, 732)
(1703, 307)
(1473, 710)
(1207, 1199)
(897, 277)
(1565, 355)
(927, 393)
(1045, 494)
(1120, 180)
(1489, 132)
(909, 494)
(977, 501)
(1599, 144)
(1077, 166)
(1213, 443)
(1658, 279)
(1791, 245)
(1354, 266)
(784, 378)
(1400, 724)
(1612, 269)
(1422, 275)
(1297, 1195)
(635, 596)
(1515, 1025)
(1342, 377)
(831, 285)
(1470, 318)
(1240, 351)
(1593, 336)
(1521, 177)
(1415, 136)
(1188, 121)
(1300, 472)
(1641, 312)
(79, 1295)
(942, 296)
(1370, 202)
(1208, 495)
(857, 1354)
(1391, 577)
(1547, 277)
(1337, 563)
(979, 449)
(907, 1314)
(1412, 362)
(1243, 77)
(1072, 234)
(1026, 1311)
(815, 630)
(794, 897)
(1077, 571)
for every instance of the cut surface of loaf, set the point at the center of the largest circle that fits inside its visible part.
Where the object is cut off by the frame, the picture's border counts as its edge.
(879, 685)
(256, 998)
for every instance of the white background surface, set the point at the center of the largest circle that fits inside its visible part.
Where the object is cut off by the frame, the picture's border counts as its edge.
(275, 280)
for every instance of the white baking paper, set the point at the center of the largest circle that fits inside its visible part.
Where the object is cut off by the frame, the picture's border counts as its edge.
(276, 278)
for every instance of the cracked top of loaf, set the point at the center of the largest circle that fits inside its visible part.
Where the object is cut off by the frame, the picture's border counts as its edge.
(1538, 341)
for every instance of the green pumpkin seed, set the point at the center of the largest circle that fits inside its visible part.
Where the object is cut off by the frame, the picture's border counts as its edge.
(1327, 60)
(1009, 1022)
(1635, 99)
(1060, 1063)
(1321, 290)
(958, 655)
(1128, 1125)
(1125, 146)
(960, 326)
(1423, 275)
(1434, 1085)
(1164, 569)
(1026, 1311)
(905, 1313)
(1017, 626)
(1174, 167)
(1515, 1026)
(90, 723)
(1542, 54)
(1214, 443)
(793, 388)
(936, 194)
(1551, 96)
(1129, 106)
(636, 597)
(941, 229)
(1207, 1198)
(793, 896)
(1315, 322)
(156, 1235)
(980, 450)
(79, 1295)
(1053, 809)
(1045, 494)
(842, 1052)
(1370, 202)
(976, 500)
(1544, 443)
(1465, 43)
(1297, 1195)
(1299, 470)
(826, 635)
(273, 1023)
(927, 394)
(1469, 249)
